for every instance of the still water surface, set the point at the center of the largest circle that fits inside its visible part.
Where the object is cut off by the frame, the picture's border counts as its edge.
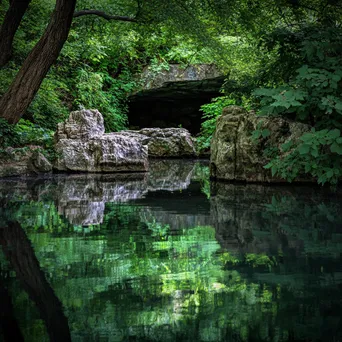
(162, 257)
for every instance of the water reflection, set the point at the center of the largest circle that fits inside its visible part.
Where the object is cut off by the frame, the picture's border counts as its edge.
(81, 198)
(149, 257)
(256, 219)
(18, 252)
(9, 328)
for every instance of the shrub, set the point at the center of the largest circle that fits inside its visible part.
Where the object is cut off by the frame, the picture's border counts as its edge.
(313, 96)
(211, 112)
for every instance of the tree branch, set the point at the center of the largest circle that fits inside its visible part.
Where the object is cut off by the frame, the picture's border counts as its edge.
(139, 9)
(104, 15)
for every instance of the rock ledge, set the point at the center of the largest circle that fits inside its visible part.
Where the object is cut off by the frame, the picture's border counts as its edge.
(82, 145)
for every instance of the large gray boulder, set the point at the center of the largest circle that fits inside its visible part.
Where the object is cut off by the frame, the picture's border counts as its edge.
(81, 145)
(81, 124)
(23, 162)
(234, 154)
(165, 142)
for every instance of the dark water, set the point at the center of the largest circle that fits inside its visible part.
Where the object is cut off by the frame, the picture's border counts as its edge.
(156, 258)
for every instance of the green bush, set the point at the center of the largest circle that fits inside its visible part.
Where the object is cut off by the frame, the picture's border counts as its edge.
(312, 96)
(49, 106)
(103, 92)
(23, 134)
(318, 154)
(211, 112)
(8, 135)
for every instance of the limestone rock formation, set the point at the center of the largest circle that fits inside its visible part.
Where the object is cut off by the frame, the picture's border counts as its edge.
(82, 145)
(24, 162)
(81, 124)
(39, 163)
(235, 156)
(176, 73)
(165, 143)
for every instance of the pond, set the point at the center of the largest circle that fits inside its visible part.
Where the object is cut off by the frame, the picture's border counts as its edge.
(167, 256)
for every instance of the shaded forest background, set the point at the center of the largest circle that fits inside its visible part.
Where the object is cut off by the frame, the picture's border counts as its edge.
(281, 57)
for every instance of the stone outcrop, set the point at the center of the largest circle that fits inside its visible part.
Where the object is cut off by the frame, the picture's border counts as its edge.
(165, 143)
(23, 162)
(234, 154)
(82, 145)
(177, 73)
(81, 125)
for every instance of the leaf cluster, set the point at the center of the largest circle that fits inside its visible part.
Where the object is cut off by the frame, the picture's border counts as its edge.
(312, 95)
(23, 134)
(211, 112)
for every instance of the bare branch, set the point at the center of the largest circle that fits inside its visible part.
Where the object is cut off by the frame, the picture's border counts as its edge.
(104, 15)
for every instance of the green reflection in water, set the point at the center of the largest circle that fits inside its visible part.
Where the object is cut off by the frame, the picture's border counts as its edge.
(253, 272)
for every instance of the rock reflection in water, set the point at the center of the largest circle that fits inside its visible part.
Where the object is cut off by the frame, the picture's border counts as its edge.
(252, 263)
(263, 219)
(170, 175)
(81, 198)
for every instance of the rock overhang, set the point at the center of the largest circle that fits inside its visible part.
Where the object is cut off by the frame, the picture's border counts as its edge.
(173, 98)
(179, 89)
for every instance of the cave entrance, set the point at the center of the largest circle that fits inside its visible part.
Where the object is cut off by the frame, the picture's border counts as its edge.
(176, 104)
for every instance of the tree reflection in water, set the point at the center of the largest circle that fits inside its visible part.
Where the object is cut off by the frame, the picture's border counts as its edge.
(20, 255)
(159, 261)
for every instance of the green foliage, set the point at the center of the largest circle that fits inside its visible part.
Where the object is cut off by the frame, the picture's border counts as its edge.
(312, 96)
(30, 134)
(201, 174)
(260, 132)
(157, 66)
(49, 106)
(211, 112)
(257, 260)
(90, 93)
(23, 134)
(8, 136)
(293, 48)
(160, 231)
(318, 153)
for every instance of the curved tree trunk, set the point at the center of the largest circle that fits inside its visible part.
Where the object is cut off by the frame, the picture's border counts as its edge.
(9, 27)
(15, 101)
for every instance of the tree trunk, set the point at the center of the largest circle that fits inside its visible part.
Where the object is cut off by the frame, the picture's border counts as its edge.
(9, 27)
(15, 101)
